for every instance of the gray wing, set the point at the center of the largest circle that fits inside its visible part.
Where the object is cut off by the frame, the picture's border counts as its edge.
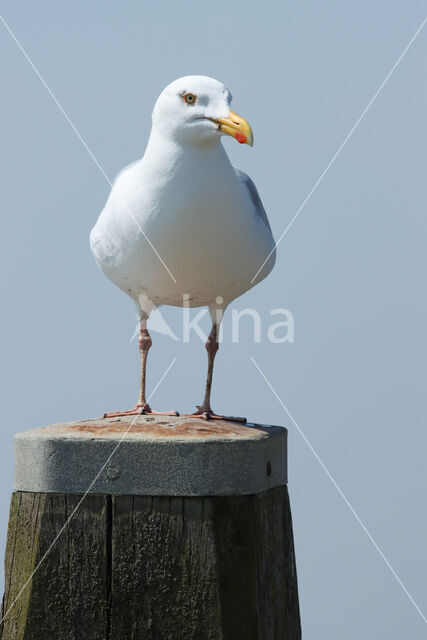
(253, 194)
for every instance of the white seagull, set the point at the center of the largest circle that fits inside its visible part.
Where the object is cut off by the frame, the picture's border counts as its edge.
(182, 226)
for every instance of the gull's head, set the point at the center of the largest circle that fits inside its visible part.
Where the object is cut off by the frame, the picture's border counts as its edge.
(196, 110)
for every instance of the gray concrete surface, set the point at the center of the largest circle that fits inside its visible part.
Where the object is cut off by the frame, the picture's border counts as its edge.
(159, 455)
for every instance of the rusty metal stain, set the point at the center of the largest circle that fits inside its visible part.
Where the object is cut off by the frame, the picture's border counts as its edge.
(165, 428)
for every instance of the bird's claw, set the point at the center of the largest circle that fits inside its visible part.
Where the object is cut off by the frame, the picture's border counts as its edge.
(208, 414)
(139, 410)
(144, 411)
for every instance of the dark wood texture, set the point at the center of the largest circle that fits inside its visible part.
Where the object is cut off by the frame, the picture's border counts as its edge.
(150, 568)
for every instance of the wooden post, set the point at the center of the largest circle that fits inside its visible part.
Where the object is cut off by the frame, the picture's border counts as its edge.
(186, 533)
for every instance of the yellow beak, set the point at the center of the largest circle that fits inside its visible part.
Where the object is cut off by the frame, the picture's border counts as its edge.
(237, 127)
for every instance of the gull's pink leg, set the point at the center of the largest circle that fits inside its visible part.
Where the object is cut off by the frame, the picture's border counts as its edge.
(205, 410)
(142, 406)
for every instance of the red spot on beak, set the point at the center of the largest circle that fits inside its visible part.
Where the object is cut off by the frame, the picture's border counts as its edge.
(241, 138)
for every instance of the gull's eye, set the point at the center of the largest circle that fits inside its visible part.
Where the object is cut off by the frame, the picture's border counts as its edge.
(189, 98)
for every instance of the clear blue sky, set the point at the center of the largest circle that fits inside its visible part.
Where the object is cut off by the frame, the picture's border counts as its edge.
(352, 269)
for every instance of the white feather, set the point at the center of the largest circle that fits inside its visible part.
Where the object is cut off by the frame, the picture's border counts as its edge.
(200, 214)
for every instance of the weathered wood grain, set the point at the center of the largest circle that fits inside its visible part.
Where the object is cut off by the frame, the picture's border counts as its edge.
(67, 598)
(151, 568)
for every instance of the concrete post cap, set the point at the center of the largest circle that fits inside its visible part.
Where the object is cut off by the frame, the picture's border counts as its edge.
(152, 455)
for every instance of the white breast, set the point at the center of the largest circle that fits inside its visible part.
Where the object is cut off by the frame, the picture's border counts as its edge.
(199, 217)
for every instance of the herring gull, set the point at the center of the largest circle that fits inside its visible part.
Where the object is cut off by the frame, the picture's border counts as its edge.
(182, 226)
